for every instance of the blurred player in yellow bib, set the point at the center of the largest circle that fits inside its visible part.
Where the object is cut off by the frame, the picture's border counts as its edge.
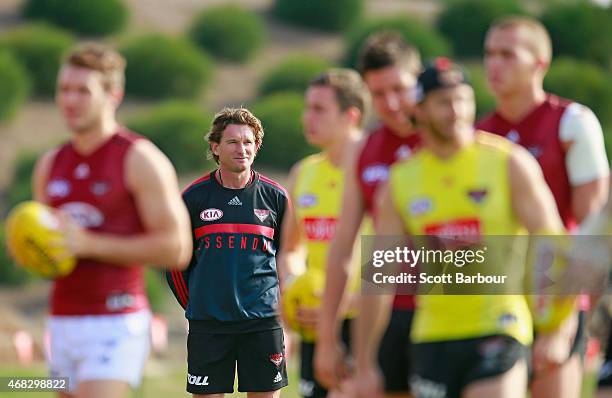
(467, 184)
(336, 102)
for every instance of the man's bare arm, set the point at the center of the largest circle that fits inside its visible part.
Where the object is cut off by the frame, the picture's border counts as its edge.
(375, 309)
(589, 198)
(532, 200)
(339, 257)
(292, 254)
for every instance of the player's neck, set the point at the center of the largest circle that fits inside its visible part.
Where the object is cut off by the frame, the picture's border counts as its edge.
(406, 130)
(233, 180)
(516, 106)
(337, 150)
(446, 149)
(87, 141)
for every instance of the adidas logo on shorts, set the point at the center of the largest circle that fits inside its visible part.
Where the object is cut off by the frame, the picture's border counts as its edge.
(278, 378)
(235, 202)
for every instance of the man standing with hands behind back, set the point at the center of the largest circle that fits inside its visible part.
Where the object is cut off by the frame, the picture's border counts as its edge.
(230, 290)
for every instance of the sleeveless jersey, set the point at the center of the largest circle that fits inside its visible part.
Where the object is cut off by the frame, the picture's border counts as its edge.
(538, 132)
(92, 190)
(383, 148)
(466, 195)
(231, 284)
(318, 197)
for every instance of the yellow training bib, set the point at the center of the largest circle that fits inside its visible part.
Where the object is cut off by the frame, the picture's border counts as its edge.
(318, 197)
(467, 195)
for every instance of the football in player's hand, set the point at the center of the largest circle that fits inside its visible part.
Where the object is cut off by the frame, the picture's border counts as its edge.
(35, 242)
(303, 292)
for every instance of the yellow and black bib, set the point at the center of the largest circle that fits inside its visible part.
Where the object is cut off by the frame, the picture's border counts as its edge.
(465, 195)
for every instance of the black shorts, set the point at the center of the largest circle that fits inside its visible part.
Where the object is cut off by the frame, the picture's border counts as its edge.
(394, 355)
(212, 357)
(604, 378)
(580, 341)
(443, 369)
(309, 386)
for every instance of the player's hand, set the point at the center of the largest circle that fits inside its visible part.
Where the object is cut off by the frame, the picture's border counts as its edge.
(368, 383)
(553, 349)
(307, 318)
(329, 363)
(76, 239)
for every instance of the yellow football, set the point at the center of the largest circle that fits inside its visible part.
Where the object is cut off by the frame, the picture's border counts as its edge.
(34, 240)
(304, 291)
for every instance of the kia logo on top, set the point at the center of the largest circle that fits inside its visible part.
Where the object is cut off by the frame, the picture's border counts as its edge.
(211, 214)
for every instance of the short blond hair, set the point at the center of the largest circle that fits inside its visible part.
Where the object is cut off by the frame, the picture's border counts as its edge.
(103, 59)
(227, 116)
(537, 38)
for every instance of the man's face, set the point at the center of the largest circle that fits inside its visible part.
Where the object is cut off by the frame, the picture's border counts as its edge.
(322, 118)
(509, 63)
(391, 89)
(446, 112)
(237, 149)
(81, 97)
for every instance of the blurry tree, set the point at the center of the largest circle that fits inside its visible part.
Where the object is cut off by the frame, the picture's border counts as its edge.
(284, 141)
(465, 22)
(292, 74)
(165, 67)
(178, 129)
(39, 48)
(582, 82)
(485, 101)
(336, 15)
(582, 30)
(20, 188)
(229, 31)
(429, 43)
(14, 86)
(10, 274)
(90, 17)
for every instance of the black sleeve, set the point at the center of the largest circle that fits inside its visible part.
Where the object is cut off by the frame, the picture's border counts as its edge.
(179, 280)
(283, 204)
(179, 284)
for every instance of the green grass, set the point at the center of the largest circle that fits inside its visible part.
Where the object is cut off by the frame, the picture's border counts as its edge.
(171, 384)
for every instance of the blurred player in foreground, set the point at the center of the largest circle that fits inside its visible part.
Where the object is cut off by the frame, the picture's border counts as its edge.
(124, 210)
(389, 67)
(230, 290)
(468, 185)
(336, 103)
(566, 139)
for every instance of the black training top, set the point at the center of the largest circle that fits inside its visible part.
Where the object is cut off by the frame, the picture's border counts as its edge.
(231, 284)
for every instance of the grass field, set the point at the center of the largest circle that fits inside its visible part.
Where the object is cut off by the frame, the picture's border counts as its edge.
(170, 384)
